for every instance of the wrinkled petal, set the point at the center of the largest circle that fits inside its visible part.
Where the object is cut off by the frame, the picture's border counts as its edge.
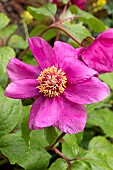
(47, 112)
(76, 71)
(64, 50)
(99, 55)
(87, 92)
(22, 89)
(79, 52)
(43, 52)
(73, 117)
(17, 70)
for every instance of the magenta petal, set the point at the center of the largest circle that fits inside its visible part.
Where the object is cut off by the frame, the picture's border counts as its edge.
(47, 113)
(107, 34)
(22, 89)
(76, 71)
(99, 54)
(63, 50)
(79, 3)
(73, 117)
(43, 52)
(17, 70)
(39, 102)
(87, 92)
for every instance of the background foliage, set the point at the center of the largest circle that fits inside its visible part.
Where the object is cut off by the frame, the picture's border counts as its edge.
(20, 148)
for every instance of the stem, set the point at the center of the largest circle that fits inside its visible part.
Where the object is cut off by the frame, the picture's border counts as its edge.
(60, 27)
(22, 53)
(65, 19)
(58, 139)
(64, 11)
(26, 30)
(4, 161)
(57, 26)
(63, 156)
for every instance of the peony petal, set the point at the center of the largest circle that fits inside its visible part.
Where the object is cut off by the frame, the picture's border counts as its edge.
(43, 52)
(106, 34)
(76, 71)
(22, 89)
(99, 54)
(64, 50)
(87, 92)
(73, 117)
(47, 113)
(79, 3)
(38, 103)
(17, 70)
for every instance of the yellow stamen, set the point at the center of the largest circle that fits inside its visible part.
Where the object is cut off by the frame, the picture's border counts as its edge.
(52, 81)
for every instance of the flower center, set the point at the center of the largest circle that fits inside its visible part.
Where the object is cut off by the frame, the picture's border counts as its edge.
(52, 81)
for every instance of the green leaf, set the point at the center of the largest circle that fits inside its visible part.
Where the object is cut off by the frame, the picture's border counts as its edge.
(17, 41)
(59, 164)
(87, 41)
(29, 59)
(4, 80)
(24, 125)
(97, 160)
(70, 147)
(4, 20)
(48, 35)
(81, 165)
(103, 147)
(107, 78)
(46, 10)
(8, 31)
(37, 30)
(10, 113)
(102, 118)
(91, 107)
(33, 158)
(77, 30)
(50, 134)
(94, 23)
(6, 53)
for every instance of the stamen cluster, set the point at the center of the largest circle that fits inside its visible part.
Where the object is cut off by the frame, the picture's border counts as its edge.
(52, 81)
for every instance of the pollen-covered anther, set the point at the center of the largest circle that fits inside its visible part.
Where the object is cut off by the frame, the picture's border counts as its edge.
(52, 81)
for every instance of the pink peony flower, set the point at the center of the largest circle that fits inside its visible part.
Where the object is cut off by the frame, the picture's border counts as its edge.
(60, 83)
(99, 55)
(79, 3)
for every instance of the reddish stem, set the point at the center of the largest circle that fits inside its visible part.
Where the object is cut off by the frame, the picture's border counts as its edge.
(58, 139)
(63, 156)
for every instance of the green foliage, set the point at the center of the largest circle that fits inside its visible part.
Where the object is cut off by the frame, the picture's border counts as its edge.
(46, 10)
(81, 165)
(32, 158)
(8, 31)
(24, 124)
(59, 164)
(10, 113)
(17, 41)
(108, 78)
(6, 53)
(50, 134)
(4, 20)
(77, 30)
(102, 118)
(94, 23)
(91, 149)
(70, 147)
(47, 35)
